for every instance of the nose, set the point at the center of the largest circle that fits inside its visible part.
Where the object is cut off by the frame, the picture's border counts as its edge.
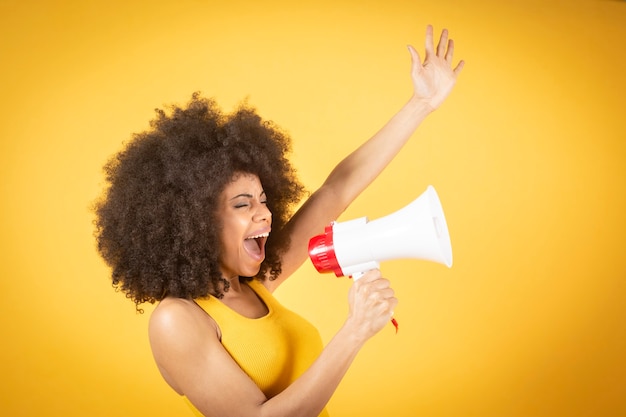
(262, 213)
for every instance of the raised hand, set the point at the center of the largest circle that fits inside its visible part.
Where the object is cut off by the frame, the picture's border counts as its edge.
(435, 77)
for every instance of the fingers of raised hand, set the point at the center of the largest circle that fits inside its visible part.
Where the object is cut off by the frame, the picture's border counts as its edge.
(428, 42)
(445, 48)
(450, 51)
(443, 43)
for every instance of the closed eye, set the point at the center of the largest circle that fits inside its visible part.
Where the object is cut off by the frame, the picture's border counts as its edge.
(243, 204)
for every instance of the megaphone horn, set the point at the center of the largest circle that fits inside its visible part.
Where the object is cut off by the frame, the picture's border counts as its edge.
(417, 231)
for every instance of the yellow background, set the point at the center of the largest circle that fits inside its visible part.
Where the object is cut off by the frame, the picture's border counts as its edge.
(528, 156)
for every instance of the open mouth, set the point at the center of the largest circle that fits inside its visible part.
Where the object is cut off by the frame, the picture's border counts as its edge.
(255, 245)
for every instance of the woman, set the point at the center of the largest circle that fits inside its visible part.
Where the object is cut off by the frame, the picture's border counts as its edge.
(200, 204)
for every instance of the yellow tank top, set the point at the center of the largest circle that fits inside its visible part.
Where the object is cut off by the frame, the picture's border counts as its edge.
(273, 350)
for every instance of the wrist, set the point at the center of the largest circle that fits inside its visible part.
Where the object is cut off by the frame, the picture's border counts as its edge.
(353, 333)
(420, 106)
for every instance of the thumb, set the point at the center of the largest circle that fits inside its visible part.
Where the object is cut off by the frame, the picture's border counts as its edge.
(416, 62)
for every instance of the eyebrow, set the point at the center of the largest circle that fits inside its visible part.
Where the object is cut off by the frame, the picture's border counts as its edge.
(246, 195)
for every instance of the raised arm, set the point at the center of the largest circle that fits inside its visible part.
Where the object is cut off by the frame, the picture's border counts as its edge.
(433, 80)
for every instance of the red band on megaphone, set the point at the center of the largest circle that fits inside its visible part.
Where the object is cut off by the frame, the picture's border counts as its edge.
(322, 253)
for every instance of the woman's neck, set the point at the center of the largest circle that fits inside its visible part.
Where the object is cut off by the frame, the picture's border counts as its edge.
(234, 284)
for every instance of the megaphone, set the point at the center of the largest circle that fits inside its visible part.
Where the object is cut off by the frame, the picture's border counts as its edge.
(417, 231)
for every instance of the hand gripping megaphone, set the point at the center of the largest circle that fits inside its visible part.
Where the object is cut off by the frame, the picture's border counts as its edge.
(417, 231)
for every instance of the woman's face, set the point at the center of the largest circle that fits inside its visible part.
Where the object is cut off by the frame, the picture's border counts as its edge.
(246, 224)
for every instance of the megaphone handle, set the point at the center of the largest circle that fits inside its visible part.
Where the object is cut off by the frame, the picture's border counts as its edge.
(356, 276)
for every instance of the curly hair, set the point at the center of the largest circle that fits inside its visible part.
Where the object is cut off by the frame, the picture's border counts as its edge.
(156, 224)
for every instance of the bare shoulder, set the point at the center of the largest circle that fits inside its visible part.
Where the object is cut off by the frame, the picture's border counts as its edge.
(188, 352)
(179, 331)
(170, 310)
(178, 319)
(180, 334)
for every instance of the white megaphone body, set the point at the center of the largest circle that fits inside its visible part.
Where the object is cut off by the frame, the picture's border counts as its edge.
(417, 231)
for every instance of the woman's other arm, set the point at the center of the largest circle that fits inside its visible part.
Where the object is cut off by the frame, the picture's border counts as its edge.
(433, 80)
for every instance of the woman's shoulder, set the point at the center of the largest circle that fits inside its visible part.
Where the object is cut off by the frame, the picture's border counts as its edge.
(180, 334)
(180, 319)
(172, 309)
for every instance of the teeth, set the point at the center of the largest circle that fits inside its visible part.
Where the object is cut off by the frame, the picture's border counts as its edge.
(258, 236)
